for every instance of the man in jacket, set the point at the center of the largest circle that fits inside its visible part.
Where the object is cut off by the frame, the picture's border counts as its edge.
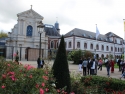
(84, 66)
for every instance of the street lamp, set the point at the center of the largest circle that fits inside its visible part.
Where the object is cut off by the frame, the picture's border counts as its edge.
(40, 29)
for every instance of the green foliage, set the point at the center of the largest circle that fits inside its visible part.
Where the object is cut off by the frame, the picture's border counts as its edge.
(87, 54)
(77, 54)
(19, 79)
(104, 83)
(3, 34)
(60, 68)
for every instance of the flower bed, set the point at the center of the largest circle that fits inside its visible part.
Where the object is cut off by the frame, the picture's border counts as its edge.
(19, 79)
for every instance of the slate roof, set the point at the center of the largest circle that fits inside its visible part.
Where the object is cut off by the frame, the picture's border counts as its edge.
(51, 30)
(88, 34)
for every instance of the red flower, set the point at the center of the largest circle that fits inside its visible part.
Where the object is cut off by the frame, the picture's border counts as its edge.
(45, 77)
(30, 76)
(37, 85)
(41, 91)
(43, 84)
(46, 89)
(8, 64)
(3, 76)
(2, 86)
(58, 90)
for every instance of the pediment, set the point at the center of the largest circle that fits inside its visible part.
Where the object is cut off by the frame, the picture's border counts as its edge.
(30, 14)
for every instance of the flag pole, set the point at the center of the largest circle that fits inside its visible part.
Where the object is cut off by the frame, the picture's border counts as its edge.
(95, 43)
(124, 39)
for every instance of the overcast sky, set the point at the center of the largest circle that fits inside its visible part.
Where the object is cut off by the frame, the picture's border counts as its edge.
(82, 14)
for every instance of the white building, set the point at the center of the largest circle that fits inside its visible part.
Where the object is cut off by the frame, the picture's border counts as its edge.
(25, 38)
(105, 45)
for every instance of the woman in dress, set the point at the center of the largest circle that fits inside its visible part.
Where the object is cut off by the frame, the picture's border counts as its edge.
(112, 66)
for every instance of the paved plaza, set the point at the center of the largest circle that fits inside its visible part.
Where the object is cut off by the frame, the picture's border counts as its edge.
(73, 67)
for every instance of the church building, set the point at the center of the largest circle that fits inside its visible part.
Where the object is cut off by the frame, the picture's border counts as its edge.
(25, 38)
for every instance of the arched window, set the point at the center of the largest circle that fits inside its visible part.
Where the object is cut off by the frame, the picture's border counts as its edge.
(97, 47)
(115, 41)
(102, 47)
(29, 31)
(107, 48)
(102, 56)
(121, 49)
(78, 44)
(85, 45)
(52, 44)
(115, 49)
(69, 45)
(111, 48)
(91, 46)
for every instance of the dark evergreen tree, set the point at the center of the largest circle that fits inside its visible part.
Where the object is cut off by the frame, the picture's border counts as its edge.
(61, 69)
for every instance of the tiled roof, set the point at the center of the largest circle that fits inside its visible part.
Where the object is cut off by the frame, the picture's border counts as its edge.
(87, 34)
(51, 30)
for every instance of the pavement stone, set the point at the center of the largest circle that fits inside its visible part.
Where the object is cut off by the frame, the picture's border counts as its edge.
(73, 67)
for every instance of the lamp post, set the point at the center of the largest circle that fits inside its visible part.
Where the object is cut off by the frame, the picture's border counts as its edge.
(40, 29)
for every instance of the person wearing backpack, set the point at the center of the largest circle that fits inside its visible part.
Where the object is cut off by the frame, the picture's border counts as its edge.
(108, 65)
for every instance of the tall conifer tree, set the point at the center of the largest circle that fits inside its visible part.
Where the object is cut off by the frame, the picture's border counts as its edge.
(61, 69)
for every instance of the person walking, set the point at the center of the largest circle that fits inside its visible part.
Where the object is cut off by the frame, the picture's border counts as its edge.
(84, 66)
(112, 66)
(38, 63)
(108, 65)
(42, 63)
(80, 65)
(89, 66)
(100, 64)
(93, 66)
(118, 63)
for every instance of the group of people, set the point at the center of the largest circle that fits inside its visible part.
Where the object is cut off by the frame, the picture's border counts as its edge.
(88, 65)
(40, 62)
(92, 65)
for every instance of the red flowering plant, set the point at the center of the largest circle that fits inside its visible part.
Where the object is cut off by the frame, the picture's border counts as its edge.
(19, 79)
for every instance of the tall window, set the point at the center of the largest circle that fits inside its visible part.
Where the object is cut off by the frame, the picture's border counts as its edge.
(52, 44)
(102, 47)
(111, 48)
(85, 45)
(91, 46)
(29, 31)
(115, 49)
(107, 48)
(97, 47)
(69, 45)
(78, 44)
(118, 49)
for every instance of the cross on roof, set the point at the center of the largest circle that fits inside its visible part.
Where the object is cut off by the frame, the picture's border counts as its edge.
(31, 6)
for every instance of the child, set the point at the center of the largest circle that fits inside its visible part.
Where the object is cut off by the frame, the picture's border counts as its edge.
(123, 75)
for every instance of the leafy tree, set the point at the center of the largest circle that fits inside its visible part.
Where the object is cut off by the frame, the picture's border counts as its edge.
(61, 69)
(87, 54)
(77, 54)
(3, 34)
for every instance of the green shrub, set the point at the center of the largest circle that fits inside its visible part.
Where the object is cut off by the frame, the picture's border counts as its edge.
(19, 79)
(104, 82)
(61, 69)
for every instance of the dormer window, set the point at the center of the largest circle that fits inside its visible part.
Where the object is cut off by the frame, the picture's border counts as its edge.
(84, 35)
